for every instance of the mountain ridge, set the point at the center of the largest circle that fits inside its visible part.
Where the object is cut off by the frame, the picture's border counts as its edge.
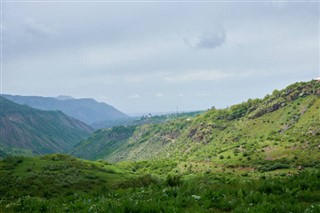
(87, 110)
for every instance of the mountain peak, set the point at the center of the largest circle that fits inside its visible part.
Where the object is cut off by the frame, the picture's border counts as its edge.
(64, 97)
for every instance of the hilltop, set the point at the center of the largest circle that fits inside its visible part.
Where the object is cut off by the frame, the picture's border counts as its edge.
(25, 130)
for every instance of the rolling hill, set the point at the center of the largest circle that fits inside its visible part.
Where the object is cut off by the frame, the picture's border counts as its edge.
(283, 125)
(25, 130)
(86, 110)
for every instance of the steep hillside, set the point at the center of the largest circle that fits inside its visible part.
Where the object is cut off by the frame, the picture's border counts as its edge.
(86, 110)
(283, 125)
(25, 130)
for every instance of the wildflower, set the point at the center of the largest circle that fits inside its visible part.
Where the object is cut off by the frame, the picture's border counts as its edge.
(196, 197)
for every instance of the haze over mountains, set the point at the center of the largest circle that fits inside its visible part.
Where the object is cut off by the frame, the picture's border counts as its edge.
(86, 109)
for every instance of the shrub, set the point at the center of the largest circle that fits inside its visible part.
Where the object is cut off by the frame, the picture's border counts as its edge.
(14, 160)
(273, 167)
(173, 180)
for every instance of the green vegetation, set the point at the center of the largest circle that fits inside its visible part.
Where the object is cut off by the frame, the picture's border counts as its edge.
(61, 183)
(258, 156)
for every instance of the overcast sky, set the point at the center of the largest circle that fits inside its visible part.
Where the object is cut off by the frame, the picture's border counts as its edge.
(155, 57)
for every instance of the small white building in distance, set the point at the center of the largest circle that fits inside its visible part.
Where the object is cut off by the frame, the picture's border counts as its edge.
(317, 79)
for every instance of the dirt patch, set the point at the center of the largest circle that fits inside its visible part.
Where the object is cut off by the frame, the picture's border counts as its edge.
(245, 169)
(268, 149)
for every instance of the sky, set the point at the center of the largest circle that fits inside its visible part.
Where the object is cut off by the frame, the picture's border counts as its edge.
(146, 57)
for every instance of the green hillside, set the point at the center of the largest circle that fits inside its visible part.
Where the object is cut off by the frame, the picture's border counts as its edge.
(283, 125)
(25, 130)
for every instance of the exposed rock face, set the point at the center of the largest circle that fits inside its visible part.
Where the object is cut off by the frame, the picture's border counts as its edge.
(266, 110)
(290, 94)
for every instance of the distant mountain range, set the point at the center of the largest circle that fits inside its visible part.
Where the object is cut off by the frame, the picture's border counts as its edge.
(25, 130)
(85, 109)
